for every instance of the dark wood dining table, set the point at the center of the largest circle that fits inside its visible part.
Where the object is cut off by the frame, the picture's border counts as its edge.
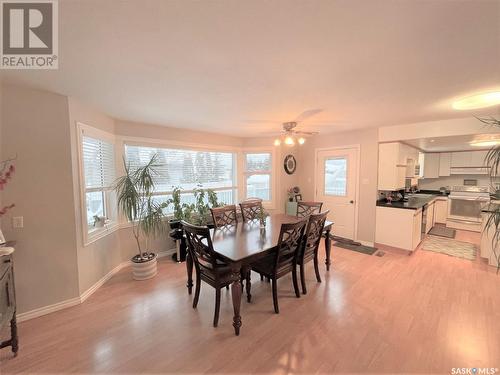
(242, 244)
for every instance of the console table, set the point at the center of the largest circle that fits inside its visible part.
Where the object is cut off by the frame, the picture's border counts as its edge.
(8, 302)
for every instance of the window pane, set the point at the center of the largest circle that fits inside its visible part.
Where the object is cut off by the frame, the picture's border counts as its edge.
(258, 162)
(95, 206)
(185, 168)
(223, 196)
(258, 186)
(336, 177)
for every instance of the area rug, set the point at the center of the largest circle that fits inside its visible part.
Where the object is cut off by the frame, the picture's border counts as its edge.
(450, 247)
(443, 232)
(359, 248)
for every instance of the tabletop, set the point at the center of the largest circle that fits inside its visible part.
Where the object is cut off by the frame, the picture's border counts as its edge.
(246, 240)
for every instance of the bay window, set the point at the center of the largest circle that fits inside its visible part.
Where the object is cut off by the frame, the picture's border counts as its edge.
(188, 169)
(258, 175)
(97, 155)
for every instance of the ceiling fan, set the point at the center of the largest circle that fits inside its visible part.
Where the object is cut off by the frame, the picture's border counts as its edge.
(290, 136)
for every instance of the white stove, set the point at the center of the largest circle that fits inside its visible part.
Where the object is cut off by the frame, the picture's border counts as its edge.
(464, 207)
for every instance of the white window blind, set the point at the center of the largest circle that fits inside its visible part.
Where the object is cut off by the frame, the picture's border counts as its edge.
(98, 162)
(187, 169)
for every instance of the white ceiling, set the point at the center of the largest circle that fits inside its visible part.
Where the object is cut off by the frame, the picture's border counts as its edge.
(454, 143)
(242, 67)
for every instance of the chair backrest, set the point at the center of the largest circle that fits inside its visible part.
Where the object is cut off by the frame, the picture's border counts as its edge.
(200, 246)
(250, 209)
(304, 209)
(289, 243)
(224, 216)
(312, 236)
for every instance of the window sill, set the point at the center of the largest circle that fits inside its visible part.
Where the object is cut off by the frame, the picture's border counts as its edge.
(99, 233)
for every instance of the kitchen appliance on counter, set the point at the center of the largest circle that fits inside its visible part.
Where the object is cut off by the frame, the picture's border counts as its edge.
(465, 205)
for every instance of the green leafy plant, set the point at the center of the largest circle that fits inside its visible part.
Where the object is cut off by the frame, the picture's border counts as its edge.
(197, 213)
(492, 161)
(136, 202)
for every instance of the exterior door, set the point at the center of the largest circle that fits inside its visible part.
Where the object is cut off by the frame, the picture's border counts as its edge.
(336, 180)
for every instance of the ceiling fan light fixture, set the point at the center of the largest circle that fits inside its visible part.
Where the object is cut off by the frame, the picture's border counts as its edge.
(301, 140)
(289, 141)
(277, 142)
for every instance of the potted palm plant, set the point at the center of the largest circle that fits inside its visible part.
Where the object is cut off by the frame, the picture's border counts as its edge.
(492, 161)
(135, 201)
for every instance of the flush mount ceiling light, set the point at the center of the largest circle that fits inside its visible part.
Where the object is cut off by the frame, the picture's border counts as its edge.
(487, 143)
(481, 100)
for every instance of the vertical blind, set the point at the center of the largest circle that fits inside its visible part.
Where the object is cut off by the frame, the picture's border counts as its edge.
(185, 168)
(98, 163)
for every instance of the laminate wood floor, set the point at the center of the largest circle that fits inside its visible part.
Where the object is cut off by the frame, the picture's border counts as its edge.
(424, 313)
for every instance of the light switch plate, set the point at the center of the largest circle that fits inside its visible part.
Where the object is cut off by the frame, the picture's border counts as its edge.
(18, 221)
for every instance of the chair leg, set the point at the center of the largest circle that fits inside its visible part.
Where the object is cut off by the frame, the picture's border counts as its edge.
(197, 291)
(248, 285)
(217, 306)
(316, 268)
(295, 283)
(275, 295)
(303, 279)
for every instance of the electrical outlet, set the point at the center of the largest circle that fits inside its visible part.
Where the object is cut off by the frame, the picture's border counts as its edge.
(18, 222)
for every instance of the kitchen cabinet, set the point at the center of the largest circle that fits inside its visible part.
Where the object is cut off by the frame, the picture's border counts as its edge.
(486, 241)
(444, 164)
(441, 210)
(396, 162)
(430, 165)
(400, 228)
(468, 159)
(391, 170)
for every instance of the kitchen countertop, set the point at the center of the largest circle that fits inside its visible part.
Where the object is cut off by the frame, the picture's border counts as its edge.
(413, 203)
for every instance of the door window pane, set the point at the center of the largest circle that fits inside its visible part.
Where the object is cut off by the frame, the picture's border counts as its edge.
(258, 162)
(258, 186)
(336, 177)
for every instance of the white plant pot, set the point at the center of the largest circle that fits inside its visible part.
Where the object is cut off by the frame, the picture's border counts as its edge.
(144, 270)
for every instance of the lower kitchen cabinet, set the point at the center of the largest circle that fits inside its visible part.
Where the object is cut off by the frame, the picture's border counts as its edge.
(441, 210)
(397, 227)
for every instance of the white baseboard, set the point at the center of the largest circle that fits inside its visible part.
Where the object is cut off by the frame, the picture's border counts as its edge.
(48, 309)
(84, 296)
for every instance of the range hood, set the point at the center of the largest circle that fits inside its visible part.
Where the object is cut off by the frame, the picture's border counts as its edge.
(468, 170)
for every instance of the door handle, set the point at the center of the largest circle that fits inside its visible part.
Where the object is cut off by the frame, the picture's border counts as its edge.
(351, 202)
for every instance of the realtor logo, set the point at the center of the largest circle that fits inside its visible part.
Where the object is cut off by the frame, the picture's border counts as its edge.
(29, 34)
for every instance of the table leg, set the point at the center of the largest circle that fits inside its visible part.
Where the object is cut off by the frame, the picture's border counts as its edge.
(13, 335)
(189, 268)
(328, 249)
(236, 295)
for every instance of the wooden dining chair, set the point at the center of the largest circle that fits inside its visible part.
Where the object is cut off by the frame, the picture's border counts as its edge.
(223, 216)
(309, 248)
(283, 260)
(250, 209)
(305, 209)
(208, 266)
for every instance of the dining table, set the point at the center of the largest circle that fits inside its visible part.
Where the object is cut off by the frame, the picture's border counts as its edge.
(242, 244)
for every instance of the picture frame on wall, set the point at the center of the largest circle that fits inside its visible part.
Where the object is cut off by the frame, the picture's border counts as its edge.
(298, 197)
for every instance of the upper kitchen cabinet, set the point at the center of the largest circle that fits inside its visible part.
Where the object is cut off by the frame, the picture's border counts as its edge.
(468, 159)
(396, 162)
(430, 165)
(444, 164)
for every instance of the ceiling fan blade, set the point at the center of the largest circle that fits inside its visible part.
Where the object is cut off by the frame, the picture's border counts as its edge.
(307, 114)
(306, 133)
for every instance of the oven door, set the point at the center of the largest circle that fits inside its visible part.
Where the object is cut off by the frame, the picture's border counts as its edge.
(466, 209)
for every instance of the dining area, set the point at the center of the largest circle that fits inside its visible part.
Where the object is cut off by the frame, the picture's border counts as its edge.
(243, 241)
